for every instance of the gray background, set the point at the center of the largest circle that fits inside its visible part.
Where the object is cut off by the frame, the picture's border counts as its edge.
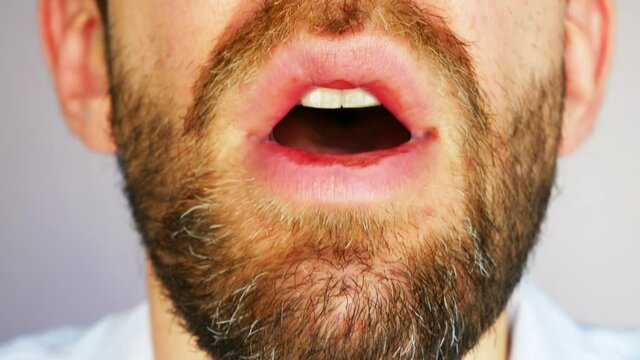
(68, 253)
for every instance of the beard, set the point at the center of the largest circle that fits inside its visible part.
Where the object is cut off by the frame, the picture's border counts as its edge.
(253, 276)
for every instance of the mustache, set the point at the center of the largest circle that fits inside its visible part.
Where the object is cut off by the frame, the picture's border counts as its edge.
(243, 48)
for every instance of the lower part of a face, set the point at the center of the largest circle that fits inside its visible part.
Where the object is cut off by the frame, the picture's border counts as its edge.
(344, 184)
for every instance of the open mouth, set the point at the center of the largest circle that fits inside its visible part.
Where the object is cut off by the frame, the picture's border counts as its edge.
(339, 122)
(346, 122)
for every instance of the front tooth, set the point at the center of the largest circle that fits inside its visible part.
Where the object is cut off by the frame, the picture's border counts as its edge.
(358, 98)
(323, 98)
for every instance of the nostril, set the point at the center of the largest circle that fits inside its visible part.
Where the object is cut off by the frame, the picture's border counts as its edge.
(340, 131)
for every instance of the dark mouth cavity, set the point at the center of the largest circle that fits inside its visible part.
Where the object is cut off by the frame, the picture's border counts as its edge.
(340, 131)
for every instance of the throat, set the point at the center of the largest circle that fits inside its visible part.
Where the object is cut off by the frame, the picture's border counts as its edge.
(340, 131)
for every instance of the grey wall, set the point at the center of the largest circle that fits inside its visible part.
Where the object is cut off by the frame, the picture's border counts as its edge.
(68, 254)
(67, 251)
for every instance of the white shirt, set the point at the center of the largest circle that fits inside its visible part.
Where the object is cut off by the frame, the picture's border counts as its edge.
(538, 331)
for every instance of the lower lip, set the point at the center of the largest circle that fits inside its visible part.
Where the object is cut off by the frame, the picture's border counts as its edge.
(350, 179)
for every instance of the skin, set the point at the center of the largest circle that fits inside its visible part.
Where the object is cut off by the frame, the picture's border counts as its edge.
(509, 40)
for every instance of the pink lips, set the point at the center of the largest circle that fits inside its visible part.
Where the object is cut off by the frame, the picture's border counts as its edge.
(379, 65)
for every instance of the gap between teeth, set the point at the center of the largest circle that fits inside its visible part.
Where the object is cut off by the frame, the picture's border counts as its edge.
(324, 98)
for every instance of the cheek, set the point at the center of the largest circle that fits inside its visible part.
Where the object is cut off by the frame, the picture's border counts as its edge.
(511, 41)
(172, 39)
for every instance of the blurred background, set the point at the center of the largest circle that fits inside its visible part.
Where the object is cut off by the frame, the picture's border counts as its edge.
(69, 255)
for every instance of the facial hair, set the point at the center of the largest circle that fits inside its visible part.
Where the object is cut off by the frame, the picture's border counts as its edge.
(251, 277)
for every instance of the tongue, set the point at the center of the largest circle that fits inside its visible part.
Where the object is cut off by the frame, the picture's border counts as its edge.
(340, 131)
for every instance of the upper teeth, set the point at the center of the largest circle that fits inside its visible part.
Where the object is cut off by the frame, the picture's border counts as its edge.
(324, 98)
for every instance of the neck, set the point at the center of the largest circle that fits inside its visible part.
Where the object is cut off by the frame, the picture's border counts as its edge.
(171, 341)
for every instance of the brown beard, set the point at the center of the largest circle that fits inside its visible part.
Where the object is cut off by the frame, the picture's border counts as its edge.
(251, 277)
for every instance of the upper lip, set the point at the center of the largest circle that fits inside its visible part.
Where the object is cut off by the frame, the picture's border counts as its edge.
(377, 64)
